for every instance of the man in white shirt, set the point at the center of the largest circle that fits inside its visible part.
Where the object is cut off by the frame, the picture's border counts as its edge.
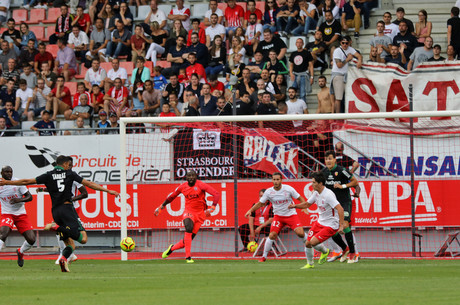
(24, 101)
(213, 9)
(114, 73)
(214, 29)
(95, 75)
(391, 29)
(280, 195)
(156, 14)
(12, 199)
(78, 41)
(341, 57)
(330, 219)
(295, 105)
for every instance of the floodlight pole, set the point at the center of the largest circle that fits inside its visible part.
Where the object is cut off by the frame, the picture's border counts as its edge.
(412, 176)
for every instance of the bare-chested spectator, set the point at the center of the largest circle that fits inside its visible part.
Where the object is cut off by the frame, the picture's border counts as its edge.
(325, 98)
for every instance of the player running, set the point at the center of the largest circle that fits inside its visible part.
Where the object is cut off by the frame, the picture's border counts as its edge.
(195, 212)
(339, 180)
(59, 185)
(12, 200)
(330, 220)
(280, 195)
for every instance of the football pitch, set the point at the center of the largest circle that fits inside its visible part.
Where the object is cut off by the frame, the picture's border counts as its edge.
(231, 282)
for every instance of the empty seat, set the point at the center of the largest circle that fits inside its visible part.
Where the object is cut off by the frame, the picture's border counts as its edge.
(53, 49)
(82, 73)
(261, 6)
(25, 127)
(143, 12)
(53, 15)
(107, 66)
(39, 32)
(36, 15)
(20, 15)
(292, 47)
(164, 64)
(199, 10)
(128, 65)
(72, 87)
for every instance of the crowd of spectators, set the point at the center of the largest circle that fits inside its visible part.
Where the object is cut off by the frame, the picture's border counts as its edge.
(246, 47)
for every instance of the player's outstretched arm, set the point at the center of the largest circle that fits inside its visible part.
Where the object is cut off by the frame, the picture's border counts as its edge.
(18, 182)
(97, 187)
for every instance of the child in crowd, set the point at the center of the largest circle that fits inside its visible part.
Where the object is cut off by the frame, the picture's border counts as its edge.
(158, 79)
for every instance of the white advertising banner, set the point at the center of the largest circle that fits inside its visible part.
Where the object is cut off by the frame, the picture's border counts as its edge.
(96, 157)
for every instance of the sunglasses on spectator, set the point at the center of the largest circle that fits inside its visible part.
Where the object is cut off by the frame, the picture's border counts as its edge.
(344, 42)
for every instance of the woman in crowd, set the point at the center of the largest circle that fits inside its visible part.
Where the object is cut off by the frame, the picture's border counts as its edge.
(108, 15)
(140, 75)
(422, 27)
(157, 42)
(27, 35)
(271, 10)
(217, 57)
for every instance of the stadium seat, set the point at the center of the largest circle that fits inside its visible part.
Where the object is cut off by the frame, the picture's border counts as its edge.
(199, 9)
(20, 15)
(149, 64)
(166, 8)
(36, 15)
(25, 127)
(53, 49)
(2, 30)
(65, 124)
(39, 32)
(261, 6)
(292, 40)
(53, 14)
(128, 65)
(164, 64)
(133, 10)
(82, 73)
(72, 87)
(107, 66)
(243, 5)
(222, 6)
(50, 30)
(143, 12)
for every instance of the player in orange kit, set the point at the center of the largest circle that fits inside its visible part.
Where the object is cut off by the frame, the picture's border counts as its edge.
(195, 211)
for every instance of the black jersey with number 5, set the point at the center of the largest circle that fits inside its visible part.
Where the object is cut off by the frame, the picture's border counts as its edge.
(59, 184)
(339, 175)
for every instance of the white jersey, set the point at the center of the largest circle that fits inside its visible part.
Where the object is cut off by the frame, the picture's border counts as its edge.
(120, 73)
(326, 202)
(281, 199)
(75, 187)
(8, 192)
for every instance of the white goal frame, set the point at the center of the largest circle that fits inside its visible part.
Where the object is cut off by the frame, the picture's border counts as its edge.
(247, 118)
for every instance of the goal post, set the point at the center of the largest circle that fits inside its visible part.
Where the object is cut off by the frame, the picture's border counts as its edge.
(156, 162)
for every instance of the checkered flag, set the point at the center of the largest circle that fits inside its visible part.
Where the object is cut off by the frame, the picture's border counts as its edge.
(42, 157)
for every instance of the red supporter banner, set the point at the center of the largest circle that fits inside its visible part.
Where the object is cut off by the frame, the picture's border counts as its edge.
(381, 204)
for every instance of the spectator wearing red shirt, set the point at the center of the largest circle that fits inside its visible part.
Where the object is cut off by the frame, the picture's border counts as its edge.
(137, 43)
(42, 56)
(60, 98)
(217, 87)
(252, 10)
(196, 29)
(81, 90)
(195, 68)
(116, 99)
(180, 13)
(166, 112)
(83, 20)
(234, 17)
(96, 98)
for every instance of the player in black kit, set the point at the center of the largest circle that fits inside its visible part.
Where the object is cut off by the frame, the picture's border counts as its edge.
(59, 185)
(339, 180)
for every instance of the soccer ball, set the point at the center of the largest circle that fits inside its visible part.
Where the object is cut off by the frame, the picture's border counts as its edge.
(127, 244)
(252, 246)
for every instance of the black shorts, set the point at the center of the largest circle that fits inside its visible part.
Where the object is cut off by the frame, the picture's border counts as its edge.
(65, 216)
(347, 209)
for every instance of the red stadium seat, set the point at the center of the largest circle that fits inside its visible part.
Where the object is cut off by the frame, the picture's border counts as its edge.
(82, 73)
(20, 15)
(107, 66)
(164, 64)
(128, 65)
(243, 5)
(37, 15)
(261, 6)
(53, 14)
(39, 32)
(222, 6)
(72, 87)
(53, 49)
(50, 30)
(149, 64)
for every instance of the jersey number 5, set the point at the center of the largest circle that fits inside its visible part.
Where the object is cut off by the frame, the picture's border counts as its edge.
(60, 185)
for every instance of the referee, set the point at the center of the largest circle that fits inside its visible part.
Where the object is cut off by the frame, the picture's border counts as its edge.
(339, 180)
(59, 183)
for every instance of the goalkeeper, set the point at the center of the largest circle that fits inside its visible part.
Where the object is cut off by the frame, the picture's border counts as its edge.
(195, 211)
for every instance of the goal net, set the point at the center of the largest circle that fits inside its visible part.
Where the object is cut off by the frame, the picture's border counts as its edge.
(403, 209)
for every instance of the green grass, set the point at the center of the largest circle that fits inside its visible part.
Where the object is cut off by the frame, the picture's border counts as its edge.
(231, 282)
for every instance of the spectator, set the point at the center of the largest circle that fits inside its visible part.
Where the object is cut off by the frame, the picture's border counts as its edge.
(95, 75)
(265, 76)
(4, 8)
(176, 31)
(151, 98)
(12, 117)
(453, 30)
(179, 12)
(83, 110)
(235, 68)
(10, 73)
(159, 80)
(29, 76)
(137, 43)
(3, 129)
(120, 43)
(156, 15)
(405, 39)
(157, 43)
(44, 125)
(114, 73)
(125, 16)
(421, 54)
(12, 36)
(234, 17)
(344, 160)
(116, 99)
(195, 85)
(173, 87)
(195, 68)
(271, 42)
(79, 129)
(213, 9)
(317, 49)
(135, 127)
(217, 57)
(102, 123)
(373, 55)
(27, 55)
(41, 57)
(276, 66)
(95, 8)
(63, 26)
(251, 9)
(266, 107)
(342, 55)
(175, 57)
(254, 97)
(351, 16)
(391, 29)
(7, 54)
(40, 96)
(271, 11)
(308, 18)
(208, 103)
(8, 93)
(245, 84)
(255, 67)
(114, 126)
(200, 50)
(166, 112)
(400, 17)
(82, 20)
(450, 53)
(24, 101)
(140, 75)
(296, 106)
(223, 107)
(396, 56)
(96, 98)
(437, 54)
(253, 34)
(329, 5)
(109, 16)
(214, 30)
(286, 19)
(237, 47)
(81, 90)
(78, 41)
(301, 70)
(66, 62)
(331, 31)
(26, 36)
(326, 100)
(47, 75)
(217, 87)
(196, 29)
(192, 109)
(60, 98)
(280, 87)
(381, 40)
(422, 27)
(367, 6)
(244, 105)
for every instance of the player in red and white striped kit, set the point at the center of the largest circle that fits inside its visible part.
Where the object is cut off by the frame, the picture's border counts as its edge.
(330, 220)
(280, 195)
(12, 200)
(195, 212)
